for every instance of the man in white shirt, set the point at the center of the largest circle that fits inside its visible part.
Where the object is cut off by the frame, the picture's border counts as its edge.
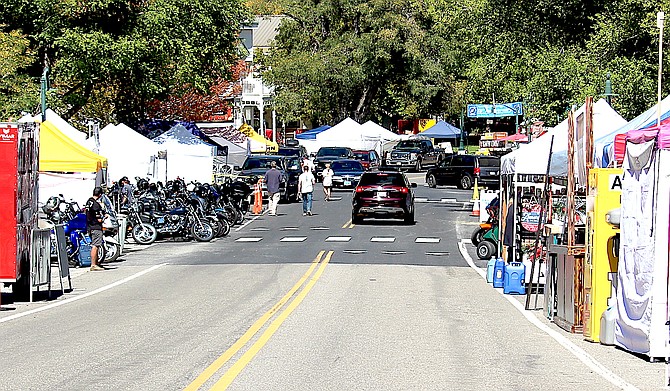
(306, 188)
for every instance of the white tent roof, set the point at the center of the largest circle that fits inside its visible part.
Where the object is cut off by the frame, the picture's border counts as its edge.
(532, 158)
(64, 127)
(129, 153)
(188, 157)
(372, 130)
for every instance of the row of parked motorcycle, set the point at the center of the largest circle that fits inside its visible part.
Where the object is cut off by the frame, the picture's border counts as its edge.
(198, 211)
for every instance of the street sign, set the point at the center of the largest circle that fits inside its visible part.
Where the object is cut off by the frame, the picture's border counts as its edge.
(495, 111)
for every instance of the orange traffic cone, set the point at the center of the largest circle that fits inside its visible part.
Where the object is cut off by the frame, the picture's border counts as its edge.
(258, 198)
(475, 201)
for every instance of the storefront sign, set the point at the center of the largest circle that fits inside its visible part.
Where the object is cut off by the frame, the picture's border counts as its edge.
(491, 144)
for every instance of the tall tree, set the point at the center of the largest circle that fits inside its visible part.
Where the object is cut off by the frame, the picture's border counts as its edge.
(109, 58)
(18, 92)
(359, 58)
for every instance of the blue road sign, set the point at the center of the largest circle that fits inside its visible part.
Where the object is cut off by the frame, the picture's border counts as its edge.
(495, 111)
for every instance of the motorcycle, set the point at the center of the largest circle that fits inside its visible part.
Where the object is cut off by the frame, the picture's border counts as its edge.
(184, 221)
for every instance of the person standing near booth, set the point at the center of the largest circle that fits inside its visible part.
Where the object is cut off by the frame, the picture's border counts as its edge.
(306, 188)
(94, 217)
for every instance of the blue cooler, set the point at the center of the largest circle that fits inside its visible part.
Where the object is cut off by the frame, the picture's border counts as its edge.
(489, 269)
(498, 273)
(515, 275)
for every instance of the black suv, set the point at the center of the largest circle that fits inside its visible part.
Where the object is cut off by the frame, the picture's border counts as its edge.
(328, 155)
(298, 151)
(256, 166)
(461, 170)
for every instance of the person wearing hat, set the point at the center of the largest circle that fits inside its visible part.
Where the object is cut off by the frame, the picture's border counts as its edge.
(94, 218)
(272, 181)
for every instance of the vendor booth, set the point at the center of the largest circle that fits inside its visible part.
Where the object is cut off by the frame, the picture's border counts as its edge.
(642, 279)
(66, 167)
(188, 157)
(129, 154)
(258, 143)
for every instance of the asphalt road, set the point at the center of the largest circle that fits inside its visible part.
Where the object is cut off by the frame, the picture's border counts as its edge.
(293, 302)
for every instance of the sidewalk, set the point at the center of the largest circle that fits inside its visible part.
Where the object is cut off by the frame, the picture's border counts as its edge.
(632, 368)
(83, 280)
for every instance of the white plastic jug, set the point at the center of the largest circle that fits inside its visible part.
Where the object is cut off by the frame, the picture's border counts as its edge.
(607, 324)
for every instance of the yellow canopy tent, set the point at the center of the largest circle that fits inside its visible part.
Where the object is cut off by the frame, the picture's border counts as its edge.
(270, 146)
(59, 153)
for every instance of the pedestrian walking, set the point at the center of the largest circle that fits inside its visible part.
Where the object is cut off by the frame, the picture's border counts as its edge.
(306, 188)
(327, 175)
(273, 179)
(94, 218)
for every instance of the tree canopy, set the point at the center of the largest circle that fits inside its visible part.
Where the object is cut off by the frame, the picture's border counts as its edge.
(366, 59)
(110, 58)
(372, 59)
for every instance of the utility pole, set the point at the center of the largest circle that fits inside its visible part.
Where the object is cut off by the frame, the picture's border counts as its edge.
(44, 85)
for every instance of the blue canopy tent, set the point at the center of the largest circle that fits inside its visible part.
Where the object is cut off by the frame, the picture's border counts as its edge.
(441, 130)
(311, 134)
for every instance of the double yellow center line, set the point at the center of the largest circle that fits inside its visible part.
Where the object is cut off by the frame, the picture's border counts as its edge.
(349, 225)
(240, 364)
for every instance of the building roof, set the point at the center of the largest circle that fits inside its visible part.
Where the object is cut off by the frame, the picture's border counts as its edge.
(267, 30)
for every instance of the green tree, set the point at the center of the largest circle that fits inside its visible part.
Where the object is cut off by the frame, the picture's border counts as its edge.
(109, 58)
(361, 59)
(18, 92)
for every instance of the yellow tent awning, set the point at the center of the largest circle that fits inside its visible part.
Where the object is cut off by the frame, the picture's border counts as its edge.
(59, 153)
(248, 131)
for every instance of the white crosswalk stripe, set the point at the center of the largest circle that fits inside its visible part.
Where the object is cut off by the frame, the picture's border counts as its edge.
(383, 239)
(338, 238)
(293, 239)
(254, 240)
(427, 240)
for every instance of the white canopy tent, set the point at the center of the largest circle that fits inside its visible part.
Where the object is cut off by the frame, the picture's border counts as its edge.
(236, 153)
(350, 133)
(64, 127)
(532, 158)
(129, 153)
(380, 136)
(188, 157)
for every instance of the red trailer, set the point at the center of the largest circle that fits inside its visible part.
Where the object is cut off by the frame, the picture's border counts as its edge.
(19, 165)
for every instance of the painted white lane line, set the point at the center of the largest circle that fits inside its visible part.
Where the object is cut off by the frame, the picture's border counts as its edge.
(427, 240)
(437, 253)
(260, 229)
(253, 240)
(289, 229)
(383, 239)
(578, 352)
(248, 222)
(293, 239)
(338, 238)
(394, 252)
(454, 200)
(87, 294)
(419, 199)
(320, 228)
(354, 251)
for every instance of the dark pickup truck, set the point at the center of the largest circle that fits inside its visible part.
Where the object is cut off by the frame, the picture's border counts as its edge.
(415, 153)
(462, 170)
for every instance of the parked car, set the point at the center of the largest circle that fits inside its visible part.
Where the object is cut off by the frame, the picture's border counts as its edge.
(383, 194)
(346, 173)
(415, 153)
(328, 155)
(255, 167)
(369, 159)
(462, 170)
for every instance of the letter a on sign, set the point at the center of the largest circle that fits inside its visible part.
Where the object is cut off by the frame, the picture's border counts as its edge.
(615, 182)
